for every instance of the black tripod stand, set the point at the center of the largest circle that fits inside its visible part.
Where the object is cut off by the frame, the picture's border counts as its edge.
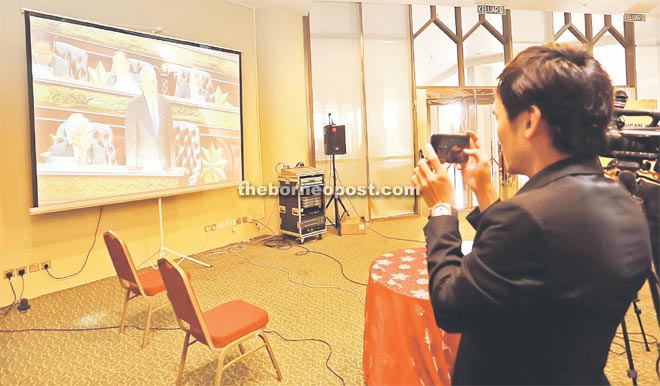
(632, 373)
(337, 200)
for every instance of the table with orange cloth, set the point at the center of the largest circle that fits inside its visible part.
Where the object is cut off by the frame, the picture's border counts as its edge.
(402, 343)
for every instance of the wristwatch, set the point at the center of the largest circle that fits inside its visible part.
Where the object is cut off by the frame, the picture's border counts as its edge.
(441, 209)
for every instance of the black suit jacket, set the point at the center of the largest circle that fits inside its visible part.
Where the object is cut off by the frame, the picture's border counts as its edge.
(649, 192)
(143, 146)
(550, 276)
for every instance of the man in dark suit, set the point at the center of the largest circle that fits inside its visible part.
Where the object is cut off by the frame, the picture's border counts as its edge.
(78, 143)
(148, 135)
(553, 269)
(648, 190)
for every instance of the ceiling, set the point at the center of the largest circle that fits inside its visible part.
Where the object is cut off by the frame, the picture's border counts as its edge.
(651, 7)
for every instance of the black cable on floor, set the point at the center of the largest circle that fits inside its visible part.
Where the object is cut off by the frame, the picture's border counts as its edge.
(650, 339)
(283, 244)
(393, 238)
(370, 228)
(341, 266)
(88, 252)
(327, 364)
(54, 329)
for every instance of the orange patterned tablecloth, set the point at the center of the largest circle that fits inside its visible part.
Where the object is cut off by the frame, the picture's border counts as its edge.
(402, 344)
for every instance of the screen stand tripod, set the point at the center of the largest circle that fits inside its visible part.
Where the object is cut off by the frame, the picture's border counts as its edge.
(337, 200)
(163, 249)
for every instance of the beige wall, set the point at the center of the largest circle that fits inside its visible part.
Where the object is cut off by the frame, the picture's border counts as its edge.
(282, 97)
(65, 237)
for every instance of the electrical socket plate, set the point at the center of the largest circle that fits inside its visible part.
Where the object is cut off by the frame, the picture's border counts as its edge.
(34, 267)
(245, 220)
(233, 223)
(24, 268)
(227, 224)
(12, 271)
(46, 262)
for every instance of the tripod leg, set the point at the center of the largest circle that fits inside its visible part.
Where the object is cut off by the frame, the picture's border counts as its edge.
(641, 326)
(342, 204)
(329, 202)
(631, 370)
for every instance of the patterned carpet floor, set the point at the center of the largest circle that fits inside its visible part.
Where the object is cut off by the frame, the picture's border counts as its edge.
(305, 293)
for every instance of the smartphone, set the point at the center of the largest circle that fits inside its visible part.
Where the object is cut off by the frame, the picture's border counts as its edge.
(449, 147)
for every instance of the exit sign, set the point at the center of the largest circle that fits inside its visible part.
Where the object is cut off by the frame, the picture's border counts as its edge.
(634, 17)
(490, 9)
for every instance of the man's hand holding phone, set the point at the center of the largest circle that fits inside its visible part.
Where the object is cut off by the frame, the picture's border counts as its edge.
(432, 177)
(476, 173)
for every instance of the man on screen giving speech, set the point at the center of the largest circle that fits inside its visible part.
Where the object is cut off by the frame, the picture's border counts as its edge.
(148, 134)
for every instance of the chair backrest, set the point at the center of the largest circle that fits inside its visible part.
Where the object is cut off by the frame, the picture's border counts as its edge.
(122, 260)
(183, 299)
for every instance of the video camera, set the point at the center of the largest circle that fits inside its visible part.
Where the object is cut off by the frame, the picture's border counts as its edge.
(632, 145)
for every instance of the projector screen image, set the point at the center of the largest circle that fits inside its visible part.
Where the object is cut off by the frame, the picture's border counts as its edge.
(119, 115)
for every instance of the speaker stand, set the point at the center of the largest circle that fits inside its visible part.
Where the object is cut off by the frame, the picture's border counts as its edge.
(337, 200)
(163, 249)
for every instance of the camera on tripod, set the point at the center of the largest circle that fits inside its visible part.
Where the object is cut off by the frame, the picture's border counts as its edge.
(632, 145)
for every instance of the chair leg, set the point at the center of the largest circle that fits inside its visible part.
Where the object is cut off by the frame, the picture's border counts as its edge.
(272, 356)
(123, 314)
(182, 362)
(145, 337)
(241, 348)
(221, 367)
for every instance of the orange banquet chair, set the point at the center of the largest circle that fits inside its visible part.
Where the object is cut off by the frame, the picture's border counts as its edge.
(148, 285)
(221, 328)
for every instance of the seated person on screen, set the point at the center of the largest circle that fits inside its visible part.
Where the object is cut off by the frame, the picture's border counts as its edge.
(79, 143)
(148, 134)
(121, 76)
(45, 62)
(194, 89)
(104, 137)
(76, 57)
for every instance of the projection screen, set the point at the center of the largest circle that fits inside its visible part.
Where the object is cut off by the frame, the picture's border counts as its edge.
(119, 115)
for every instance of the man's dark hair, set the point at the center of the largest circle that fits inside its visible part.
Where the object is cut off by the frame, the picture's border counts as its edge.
(570, 88)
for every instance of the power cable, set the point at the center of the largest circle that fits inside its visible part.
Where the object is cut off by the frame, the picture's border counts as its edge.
(341, 266)
(327, 361)
(7, 309)
(55, 329)
(393, 238)
(650, 338)
(289, 274)
(369, 226)
(88, 252)
(282, 244)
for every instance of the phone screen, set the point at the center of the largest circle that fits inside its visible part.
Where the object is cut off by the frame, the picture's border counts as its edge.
(449, 147)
